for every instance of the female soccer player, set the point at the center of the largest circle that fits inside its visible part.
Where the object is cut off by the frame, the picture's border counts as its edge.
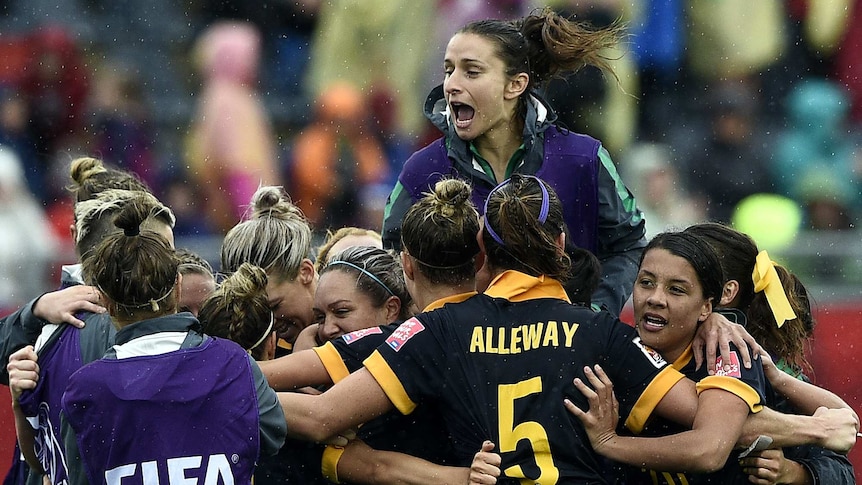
(495, 124)
(166, 399)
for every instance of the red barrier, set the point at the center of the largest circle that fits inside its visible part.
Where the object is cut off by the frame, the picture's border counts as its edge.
(836, 359)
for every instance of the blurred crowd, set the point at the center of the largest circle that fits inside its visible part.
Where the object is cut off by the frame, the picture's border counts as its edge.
(727, 110)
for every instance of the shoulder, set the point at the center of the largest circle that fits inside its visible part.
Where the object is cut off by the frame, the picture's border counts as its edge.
(559, 141)
(425, 167)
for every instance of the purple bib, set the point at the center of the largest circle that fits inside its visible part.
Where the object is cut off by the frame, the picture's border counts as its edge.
(42, 405)
(167, 419)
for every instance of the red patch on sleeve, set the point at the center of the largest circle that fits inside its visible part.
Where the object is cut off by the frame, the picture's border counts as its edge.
(734, 370)
(358, 334)
(404, 333)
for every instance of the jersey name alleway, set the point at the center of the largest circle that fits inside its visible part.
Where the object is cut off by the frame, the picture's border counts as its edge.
(522, 338)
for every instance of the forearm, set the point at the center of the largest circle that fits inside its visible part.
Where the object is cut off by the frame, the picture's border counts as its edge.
(353, 401)
(784, 429)
(26, 438)
(295, 370)
(362, 464)
(686, 451)
(806, 397)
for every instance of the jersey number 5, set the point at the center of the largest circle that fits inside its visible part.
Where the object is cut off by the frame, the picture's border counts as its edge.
(510, 434)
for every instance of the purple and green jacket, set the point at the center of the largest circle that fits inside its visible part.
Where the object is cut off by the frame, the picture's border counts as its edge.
(600, 212)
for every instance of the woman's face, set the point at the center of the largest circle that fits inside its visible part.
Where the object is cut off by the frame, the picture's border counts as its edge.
(340, 308)
(291, 301)
(668, 302)
(475, 85)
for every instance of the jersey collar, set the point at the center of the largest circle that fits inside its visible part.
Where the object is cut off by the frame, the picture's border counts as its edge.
(516, 286)
(449, 299)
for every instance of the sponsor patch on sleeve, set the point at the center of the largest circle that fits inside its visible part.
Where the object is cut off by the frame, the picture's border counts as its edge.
(733, 371)
(651, 354)
(358, 334)
(403, 333)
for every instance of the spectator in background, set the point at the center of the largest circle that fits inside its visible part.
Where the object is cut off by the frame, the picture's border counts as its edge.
(661, 193)
(27, 245)
(817, 160)
(15, 135)
(55, 86)
(731, 162)
(587, 101)
(380, 45)
(231, 145)
(121, 123)
(339, 171)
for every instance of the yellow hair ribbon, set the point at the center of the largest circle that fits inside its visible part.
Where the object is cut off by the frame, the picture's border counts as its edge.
(766, 280)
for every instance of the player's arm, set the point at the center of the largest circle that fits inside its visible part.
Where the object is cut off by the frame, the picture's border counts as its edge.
(353, 401)
(705, 448)
(299, 369)
(359, 463)
(802, 395)
(23, 375)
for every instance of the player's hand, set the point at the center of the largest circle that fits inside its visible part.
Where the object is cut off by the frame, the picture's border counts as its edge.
(600, 421)
(840, 427)
(770, 467)
(717, 332)
(772, 373)
(23, 371)
(61, 306)
(486, 466)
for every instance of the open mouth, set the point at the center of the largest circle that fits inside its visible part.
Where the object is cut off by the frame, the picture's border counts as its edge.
(653, 322)
(463, 114)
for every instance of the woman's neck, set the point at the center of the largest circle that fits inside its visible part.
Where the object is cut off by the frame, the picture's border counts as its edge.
(428, 293)
(498, 145)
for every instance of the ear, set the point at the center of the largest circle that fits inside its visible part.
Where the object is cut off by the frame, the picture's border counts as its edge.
(729, 292)
(705, 311)
(269, 346)
(561, 241)
(407, 265)
(516, 86)
(306, 272)
(393, 308)
(73, 231)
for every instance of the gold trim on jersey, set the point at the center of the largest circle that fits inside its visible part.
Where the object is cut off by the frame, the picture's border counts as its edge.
(449, 299)
(516, 286)
(329, 462)
(387, 379)
(733, 386)
(649, 399)
(332, 362)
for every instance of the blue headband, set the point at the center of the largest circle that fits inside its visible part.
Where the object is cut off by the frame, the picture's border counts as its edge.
(543, 212)
(365, 272)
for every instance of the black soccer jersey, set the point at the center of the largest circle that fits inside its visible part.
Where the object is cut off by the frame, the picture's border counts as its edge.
(750, 385)
(500, 364)
(420, 434)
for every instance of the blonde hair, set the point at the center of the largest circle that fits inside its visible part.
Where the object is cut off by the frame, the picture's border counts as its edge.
(277, 237)
(90, 176)
(93, 217)
(333, 237)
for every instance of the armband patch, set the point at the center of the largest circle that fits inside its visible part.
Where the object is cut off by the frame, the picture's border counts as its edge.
(403, 333)
(734, 370)
(358, 334)
(654, 357)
